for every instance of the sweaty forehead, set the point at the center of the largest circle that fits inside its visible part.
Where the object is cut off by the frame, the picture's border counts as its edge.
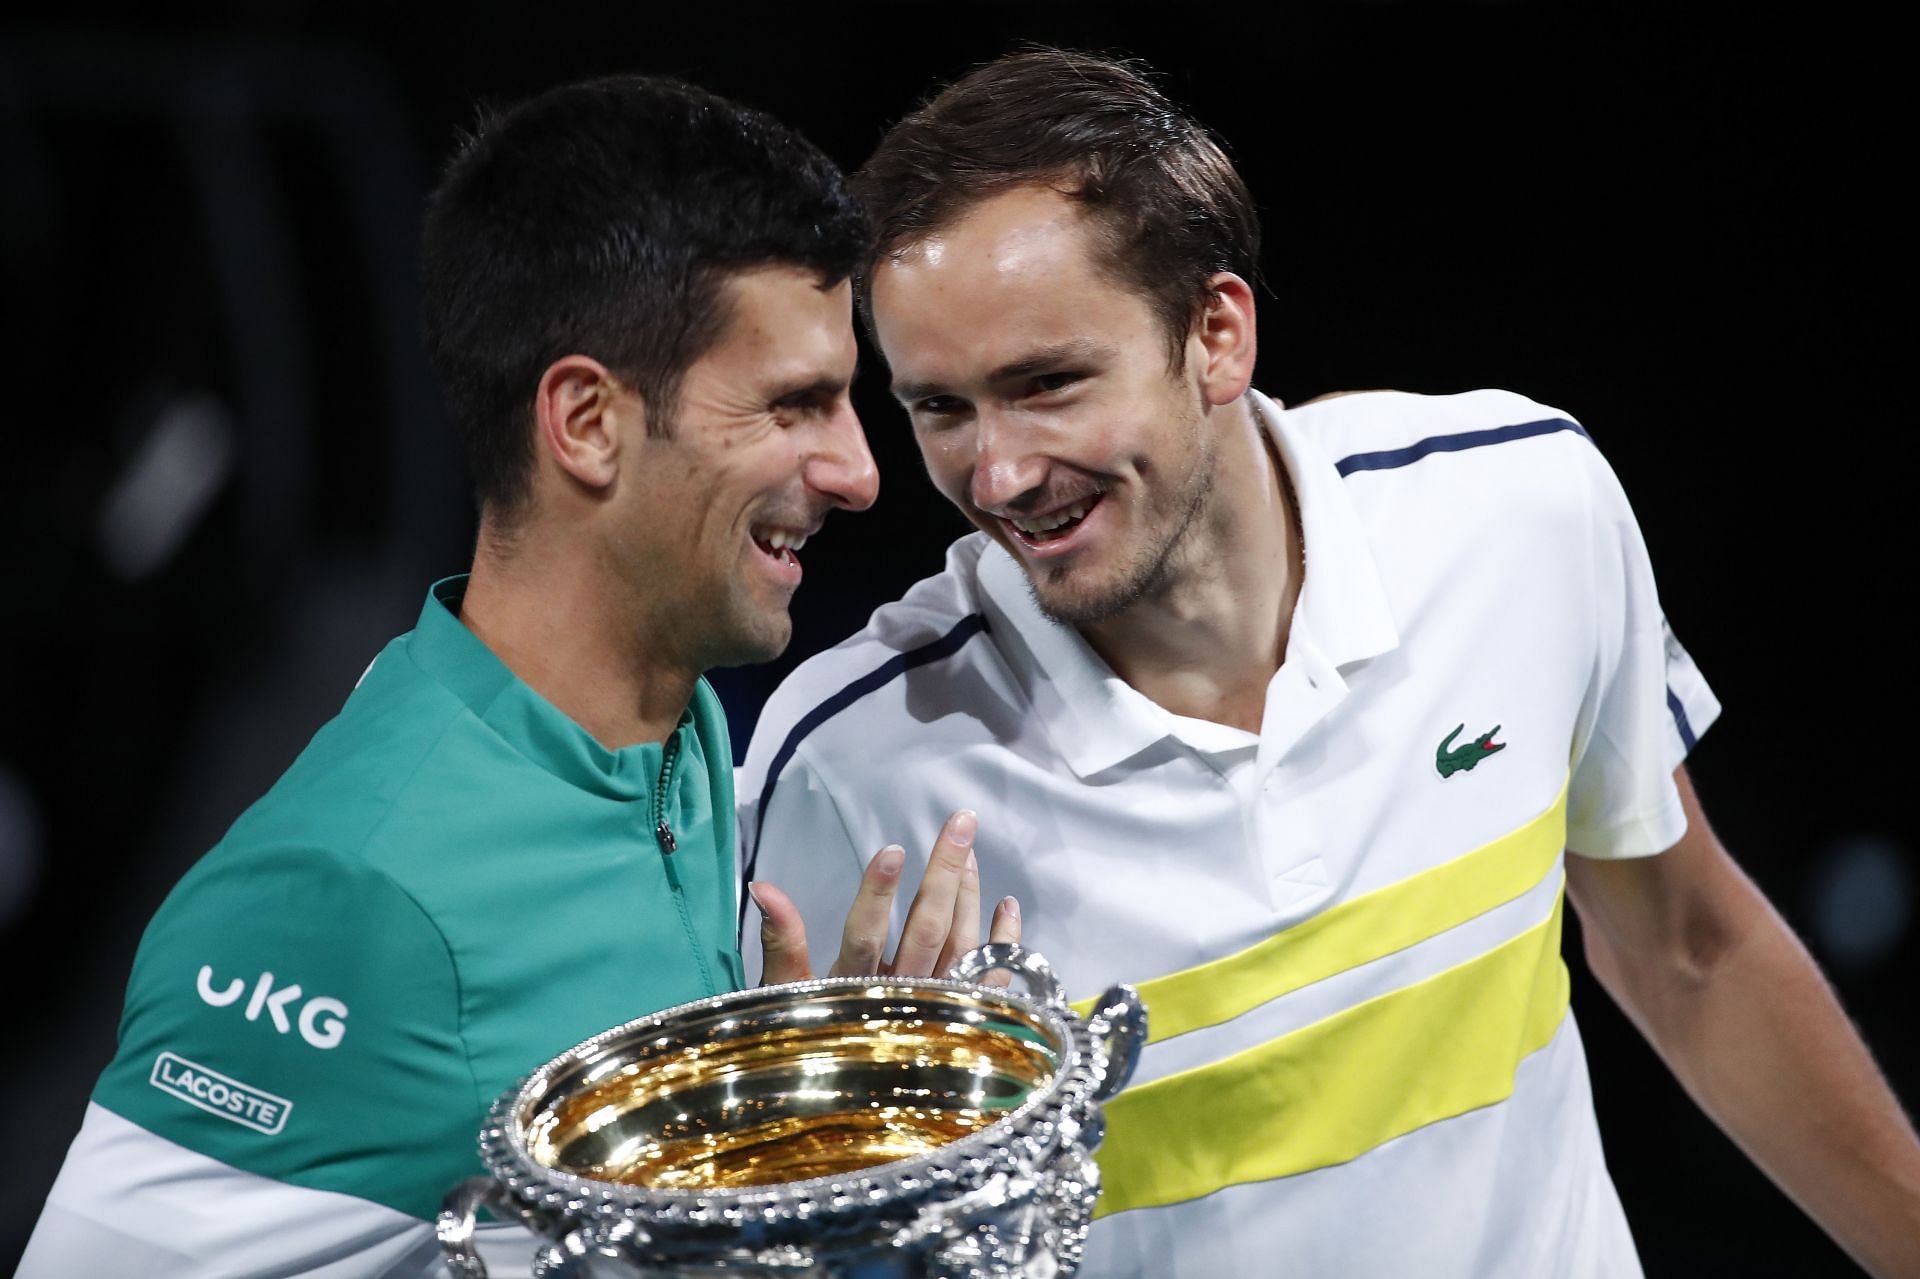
(1013, 271)
(999, 239)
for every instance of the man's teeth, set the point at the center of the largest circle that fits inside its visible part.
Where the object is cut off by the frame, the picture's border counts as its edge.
(1047, 523)
(780, 539)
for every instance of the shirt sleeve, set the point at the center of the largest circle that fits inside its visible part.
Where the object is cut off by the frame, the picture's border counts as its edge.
(1647, 703)
(801, 845)
(295, 1016)
(130, 1203)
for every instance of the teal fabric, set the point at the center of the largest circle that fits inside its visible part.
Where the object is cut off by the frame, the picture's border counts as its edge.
(473, 877)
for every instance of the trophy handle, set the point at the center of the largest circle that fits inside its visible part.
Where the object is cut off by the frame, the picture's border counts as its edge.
(1030, 964)
(1119, 1026)
(454, 1225)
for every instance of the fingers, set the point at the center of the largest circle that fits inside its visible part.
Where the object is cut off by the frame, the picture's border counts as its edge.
(1004, 928)
(1006, 922)
(930, 920)
(963, 933)
(865, 936)
(783, 936)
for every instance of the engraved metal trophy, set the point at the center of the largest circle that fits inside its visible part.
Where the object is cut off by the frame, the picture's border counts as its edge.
(842, 1128)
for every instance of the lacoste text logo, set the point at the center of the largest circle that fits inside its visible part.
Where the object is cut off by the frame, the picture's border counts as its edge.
(323, 1021)
(1450, 761)
(218, 1094)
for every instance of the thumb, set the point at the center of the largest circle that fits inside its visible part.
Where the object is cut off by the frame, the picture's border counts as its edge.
(783, 936)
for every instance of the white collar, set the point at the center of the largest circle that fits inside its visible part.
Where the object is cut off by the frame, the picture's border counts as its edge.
(1098, 720)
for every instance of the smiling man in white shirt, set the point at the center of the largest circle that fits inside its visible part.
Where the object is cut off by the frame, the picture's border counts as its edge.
(1306, 721)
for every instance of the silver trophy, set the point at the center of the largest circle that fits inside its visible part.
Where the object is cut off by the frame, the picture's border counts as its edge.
(844, 1128)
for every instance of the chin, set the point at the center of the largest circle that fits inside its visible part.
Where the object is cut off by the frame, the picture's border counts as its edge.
(1081, 603)
(749, 646)
(1084, 596)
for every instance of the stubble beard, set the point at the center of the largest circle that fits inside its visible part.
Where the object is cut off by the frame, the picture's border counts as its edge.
(1148, 569)
(715, 617)
(746, 632)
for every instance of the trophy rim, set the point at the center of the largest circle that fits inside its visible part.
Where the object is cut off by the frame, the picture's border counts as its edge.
(965, 1162)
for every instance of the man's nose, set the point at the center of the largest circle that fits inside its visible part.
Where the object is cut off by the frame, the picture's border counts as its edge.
(1005, 465)
(841, 467)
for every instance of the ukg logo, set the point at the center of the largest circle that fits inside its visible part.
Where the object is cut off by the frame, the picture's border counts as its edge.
(322, 1019)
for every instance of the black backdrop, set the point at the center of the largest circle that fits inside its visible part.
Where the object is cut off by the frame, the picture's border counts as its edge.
(226, 479)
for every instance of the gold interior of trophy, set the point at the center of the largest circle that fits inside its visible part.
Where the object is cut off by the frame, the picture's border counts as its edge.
(834, 1083)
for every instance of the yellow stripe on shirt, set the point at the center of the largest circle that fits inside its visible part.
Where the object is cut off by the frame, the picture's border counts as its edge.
(1355, 932)
(1333, 1090)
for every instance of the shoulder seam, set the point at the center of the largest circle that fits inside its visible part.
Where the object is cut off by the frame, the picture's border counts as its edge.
(453, 964)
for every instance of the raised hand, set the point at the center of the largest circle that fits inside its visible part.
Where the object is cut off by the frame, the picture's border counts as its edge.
(943, 923)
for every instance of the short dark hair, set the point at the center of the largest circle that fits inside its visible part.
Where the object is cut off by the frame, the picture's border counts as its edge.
(603, 219)
(1167, 202)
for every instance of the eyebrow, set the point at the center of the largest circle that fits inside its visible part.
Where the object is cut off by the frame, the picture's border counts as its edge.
(818, 387)
(1047, 357)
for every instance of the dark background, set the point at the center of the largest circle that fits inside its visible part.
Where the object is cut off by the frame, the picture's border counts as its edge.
(226, 480)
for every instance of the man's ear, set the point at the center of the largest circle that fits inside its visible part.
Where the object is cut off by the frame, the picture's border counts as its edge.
(1227, 339)
(578, 412)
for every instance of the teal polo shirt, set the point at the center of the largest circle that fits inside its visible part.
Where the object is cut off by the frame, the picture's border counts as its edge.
(451, 885)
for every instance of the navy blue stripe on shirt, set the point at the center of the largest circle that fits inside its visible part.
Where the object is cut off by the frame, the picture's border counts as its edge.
(1680, 722)
(894, 667)
(1391, 459)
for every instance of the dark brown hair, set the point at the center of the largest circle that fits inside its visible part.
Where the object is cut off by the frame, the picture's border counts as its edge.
(1160, 193)
(604, 219)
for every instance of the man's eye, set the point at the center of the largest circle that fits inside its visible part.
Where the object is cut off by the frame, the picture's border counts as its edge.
(938, 406)
(1054, 381)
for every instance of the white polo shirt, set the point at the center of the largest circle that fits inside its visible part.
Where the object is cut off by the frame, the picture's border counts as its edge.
(1346, 928)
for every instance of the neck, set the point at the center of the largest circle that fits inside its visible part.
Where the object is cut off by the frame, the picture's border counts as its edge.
(561, 628)
(1209, 641)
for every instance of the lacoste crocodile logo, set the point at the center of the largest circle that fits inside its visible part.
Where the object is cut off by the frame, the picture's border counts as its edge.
(1450, 761)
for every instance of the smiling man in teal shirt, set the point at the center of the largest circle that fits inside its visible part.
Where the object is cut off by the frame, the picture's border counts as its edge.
(518, 830)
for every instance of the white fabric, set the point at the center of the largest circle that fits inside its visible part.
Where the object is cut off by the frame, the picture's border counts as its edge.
(130, 1203)
(1504, 584)
(1398, 1210)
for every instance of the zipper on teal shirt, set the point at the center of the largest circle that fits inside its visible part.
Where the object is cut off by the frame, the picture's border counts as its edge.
(663, 834)
(669, 757)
